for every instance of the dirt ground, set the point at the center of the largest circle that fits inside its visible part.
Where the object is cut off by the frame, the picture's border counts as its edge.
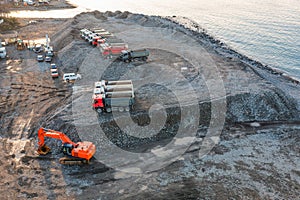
(256, 156)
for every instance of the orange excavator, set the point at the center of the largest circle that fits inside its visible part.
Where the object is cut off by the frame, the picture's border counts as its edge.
(76, 153)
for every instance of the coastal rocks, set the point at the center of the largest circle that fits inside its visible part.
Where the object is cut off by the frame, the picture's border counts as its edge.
(99, 15)
(271, 105)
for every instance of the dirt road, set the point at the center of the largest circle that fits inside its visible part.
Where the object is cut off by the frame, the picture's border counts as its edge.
(186, 84)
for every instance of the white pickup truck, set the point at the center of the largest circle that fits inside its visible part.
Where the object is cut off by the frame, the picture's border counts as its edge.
(71, 77)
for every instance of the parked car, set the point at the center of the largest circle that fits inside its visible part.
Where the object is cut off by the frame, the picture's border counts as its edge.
(43, 2)
(70, 77)
(30, 2)
(49, 53)
(53, 66)
(54, 73)
(38, 48)
(48, 59)
(40, 58)
(32, 22)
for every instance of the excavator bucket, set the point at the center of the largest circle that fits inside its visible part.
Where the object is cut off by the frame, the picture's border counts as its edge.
(43, 150)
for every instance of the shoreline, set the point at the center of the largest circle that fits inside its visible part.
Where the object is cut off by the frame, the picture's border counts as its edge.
(226, 51)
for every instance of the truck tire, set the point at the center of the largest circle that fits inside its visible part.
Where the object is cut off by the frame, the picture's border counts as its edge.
(121, 109)
(127, 109)
(131, 107)
(108, 110)
(145, 58)
(68, 80)
(99, 110)
(127, 61)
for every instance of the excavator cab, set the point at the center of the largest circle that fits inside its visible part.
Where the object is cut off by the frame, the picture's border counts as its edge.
(67, 149)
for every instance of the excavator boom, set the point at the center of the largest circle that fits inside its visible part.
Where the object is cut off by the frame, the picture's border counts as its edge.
(42, 133)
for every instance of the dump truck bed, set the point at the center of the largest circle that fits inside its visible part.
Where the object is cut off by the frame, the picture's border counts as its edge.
(114, 40)
(119, 82)
(120, 94)
(139, 53)
(119, 102)
(115, 88)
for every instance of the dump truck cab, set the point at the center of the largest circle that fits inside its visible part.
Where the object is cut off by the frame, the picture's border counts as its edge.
(86, 35)
(91, 38)
(98, 104)
(95, 40)
(82, 32)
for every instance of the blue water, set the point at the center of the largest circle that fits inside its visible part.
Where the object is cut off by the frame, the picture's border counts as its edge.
(265, 30)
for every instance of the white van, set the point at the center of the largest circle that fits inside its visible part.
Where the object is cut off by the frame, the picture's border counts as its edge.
(2, 52)
(71, 77)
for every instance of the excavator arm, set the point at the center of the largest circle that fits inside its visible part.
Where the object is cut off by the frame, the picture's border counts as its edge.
(43, 132)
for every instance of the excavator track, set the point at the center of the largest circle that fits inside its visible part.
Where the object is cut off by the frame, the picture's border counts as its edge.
(73, 161)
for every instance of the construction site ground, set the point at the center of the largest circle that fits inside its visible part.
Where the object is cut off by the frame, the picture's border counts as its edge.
(256, 156)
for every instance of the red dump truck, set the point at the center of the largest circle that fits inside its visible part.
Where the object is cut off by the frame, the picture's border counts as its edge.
(111, 96)
(95, 40)
(114, 49)
(97, 35)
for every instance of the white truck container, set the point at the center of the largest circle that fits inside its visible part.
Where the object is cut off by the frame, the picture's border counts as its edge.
(118, 82)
